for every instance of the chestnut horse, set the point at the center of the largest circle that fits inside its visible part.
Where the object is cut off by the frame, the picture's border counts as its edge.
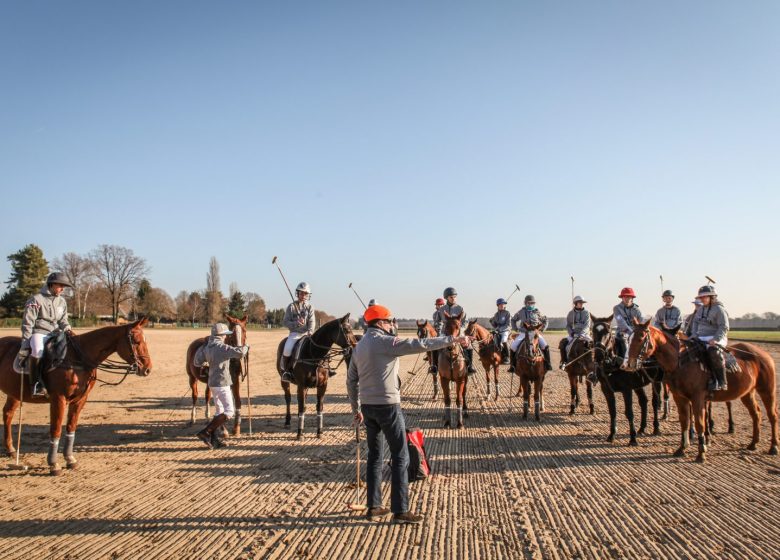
(314, 366)
(607, 370)
(426, 330)
(530, 368)
(489, 353)
(579, 365)
(72, 381)
(688, 379)
(237, 371)
(452, 368)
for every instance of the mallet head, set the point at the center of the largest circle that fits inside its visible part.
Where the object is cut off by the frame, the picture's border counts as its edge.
(273, 261)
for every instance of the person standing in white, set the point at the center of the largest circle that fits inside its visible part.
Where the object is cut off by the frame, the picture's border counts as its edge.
(299, 319)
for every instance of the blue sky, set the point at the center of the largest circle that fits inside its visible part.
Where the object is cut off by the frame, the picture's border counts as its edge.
(402, 147)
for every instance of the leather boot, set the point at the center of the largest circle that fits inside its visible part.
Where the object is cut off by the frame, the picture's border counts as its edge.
(718, 365)
(505, 353)
(512, 360)
(564, 357)
(205, 434)
(36, 381)
(470, 360)
(547, 361)
(286, 373)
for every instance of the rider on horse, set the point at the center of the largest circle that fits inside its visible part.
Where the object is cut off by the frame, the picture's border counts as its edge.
(669, 317)
(501, 322)
(711, 326)
(688, 322)
(578, 325)
(437, 323)
(218, 355)
(625, 312)
(299, 318)
(453, 309)
(44, 313)
(532, 316)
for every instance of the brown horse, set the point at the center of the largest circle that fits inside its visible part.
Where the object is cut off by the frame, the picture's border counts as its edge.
(688, 379)
(426, 330)
(314, 366)
(580, 363)
(237, 371)
(71, 382)
(489, 353)
(530, 368)
(452, 368)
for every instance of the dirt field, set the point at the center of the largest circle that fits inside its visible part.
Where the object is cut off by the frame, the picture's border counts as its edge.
(502, 488)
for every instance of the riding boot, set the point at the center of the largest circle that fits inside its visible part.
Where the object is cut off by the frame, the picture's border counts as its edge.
(547, 360)
(36, 380)
(470, 360)
(205, 434)
(504, 353)
(512, 359)
(564, 356)
(718, 365)
(286, 373)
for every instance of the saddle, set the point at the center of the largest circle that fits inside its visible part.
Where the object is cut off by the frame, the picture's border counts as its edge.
(296, 353)
(55, 351)
(696, 352)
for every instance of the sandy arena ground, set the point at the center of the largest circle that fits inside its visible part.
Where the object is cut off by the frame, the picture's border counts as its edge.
(502, 488)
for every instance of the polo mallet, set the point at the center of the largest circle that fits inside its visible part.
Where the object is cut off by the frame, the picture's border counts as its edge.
(517, 289)
(248, 392)
(17, 466)
(289, 291)
(572, 288)
(356, 505)
(710, 280)
(662, 282)
(358, 296)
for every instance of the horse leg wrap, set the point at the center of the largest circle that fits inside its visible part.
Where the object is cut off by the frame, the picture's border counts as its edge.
(525, 408)
(536, 408)
(666, 407)
(488, 388)
(460, 415)
(70, 439)
(192, 416)
(496, 390)
(300, 422)
(319, 422)
(54, 445)
(447, 415)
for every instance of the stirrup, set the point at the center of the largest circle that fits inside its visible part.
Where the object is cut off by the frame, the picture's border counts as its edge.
(287, 376)
(38, 390)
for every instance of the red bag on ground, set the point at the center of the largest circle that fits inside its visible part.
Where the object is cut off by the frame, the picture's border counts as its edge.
(419, 465)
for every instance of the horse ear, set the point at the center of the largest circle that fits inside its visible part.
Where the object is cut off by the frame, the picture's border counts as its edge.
(609, 319)
(646, 323)
(421, 323)
(230, 319)
(142, 322)
(472, 321)
(592, 318)
(345, 318)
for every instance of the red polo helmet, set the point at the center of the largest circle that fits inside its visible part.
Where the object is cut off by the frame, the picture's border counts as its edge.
(439, 301)
(377, 312)
(627, 292)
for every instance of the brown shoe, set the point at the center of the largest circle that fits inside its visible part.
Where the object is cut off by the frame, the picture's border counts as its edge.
(376, 512)
(407, 517)
(205, 437)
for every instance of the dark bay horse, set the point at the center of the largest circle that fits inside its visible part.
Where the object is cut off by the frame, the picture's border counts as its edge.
(237, 371)
(613, 380)
(529, 366)
(72, 381)
(687, 378)
(580, 363)
(426, 330)
(315, 366)
(489, 353)
(452, 369)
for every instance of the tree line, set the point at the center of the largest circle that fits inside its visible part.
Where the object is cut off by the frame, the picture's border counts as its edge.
(112, 283)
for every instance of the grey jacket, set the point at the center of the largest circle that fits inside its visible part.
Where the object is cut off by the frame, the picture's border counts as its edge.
(43, 313)
(532, 316)
(436, 322)
(372, 377)
(667, 317)
(292, 314)
(578, 323)
(453, 310)
(624, 318)
(501, 321)
(711, 320)
(218, 356)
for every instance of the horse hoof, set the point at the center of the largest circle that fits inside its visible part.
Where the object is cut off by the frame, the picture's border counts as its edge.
(731, 429)
(752, 446)
(446, 425)
(592, 409)
(538, 418)
(773, 450)
(11, 452)
(319, 435)
(571, 411)
(641, 431)
(74, 466)
(460, 426)
(465, 413)
(55, 471)
(610, 438)
(701, 458)
(656, 431)
(299, 436)
(236, 431)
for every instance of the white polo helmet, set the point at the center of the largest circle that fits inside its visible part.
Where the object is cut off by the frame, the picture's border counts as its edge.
(303, 287)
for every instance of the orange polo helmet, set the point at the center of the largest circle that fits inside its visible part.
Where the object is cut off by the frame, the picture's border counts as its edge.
(377, 312)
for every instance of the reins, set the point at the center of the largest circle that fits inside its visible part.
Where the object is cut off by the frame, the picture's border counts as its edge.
(107, 366)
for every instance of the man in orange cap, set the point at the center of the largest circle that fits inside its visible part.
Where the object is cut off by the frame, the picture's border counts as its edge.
(374, 391)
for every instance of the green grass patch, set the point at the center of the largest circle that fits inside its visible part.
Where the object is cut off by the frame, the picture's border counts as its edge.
(768, 336)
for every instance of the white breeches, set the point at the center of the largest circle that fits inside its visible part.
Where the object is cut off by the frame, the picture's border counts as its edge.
(521, 337)
(571, 340)
(708, 338)
(37, 342)
(502, 336)
(289, 344)
(223, 401)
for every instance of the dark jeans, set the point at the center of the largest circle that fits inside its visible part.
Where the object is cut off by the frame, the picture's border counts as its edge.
(386, 421)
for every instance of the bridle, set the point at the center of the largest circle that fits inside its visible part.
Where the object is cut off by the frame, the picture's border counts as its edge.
(647, 344)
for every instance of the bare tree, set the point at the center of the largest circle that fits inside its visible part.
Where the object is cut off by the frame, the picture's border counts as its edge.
(119, 270)
(196, 306)
(213, 293)
(80, 271)
(255, 307)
